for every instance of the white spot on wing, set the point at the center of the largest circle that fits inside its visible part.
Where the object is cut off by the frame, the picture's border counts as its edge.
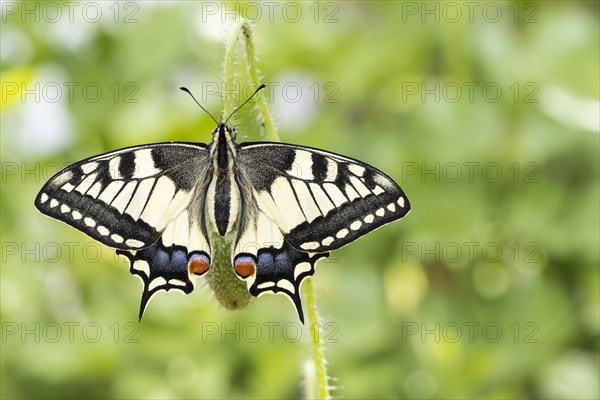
(369, 218)
(327, 241)
(53, 203)
(43, 198)
(265, 285)
(391, 207)
(332, 170)
(134, 243)
(156, 283)
(144, 164)
(89, 222)
(380, 212)
(310, 245)
(65, 208)
(301, 268)
(356, 169)
(142, 266)
(302, 166)
(285, 284)
(103, 230)
(90, 167)
(401, 202)
(113, 167)
(355, 225)
(342, 233)
(76, 215)
(116, 238)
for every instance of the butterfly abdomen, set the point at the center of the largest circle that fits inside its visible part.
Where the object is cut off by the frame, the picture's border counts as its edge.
(230, 291)
(226, 203)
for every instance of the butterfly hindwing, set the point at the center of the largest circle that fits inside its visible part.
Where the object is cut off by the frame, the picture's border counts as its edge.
(125, 199)
(321, 201)
(172, 262)
(277, 267)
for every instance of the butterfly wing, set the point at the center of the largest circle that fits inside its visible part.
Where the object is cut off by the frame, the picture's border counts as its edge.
(171, 263)
(320, 200)
(145, 201)
(308, 202)
(267, 263)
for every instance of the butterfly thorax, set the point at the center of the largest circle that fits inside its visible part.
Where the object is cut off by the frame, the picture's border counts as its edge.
(224, 195)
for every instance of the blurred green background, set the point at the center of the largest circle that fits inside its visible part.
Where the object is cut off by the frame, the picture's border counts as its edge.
(487, 115)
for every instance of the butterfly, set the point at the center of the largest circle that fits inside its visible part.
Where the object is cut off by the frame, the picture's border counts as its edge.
(271, 210)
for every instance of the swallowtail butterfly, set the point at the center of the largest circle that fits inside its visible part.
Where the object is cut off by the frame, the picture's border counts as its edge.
(272, 209)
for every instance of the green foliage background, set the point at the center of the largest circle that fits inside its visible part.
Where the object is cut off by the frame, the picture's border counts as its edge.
(412, 311)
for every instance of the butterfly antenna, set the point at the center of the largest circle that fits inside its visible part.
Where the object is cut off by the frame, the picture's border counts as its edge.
(200, 105)
(262, 86)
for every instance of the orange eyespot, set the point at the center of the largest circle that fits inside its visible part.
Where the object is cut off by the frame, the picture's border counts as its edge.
(244, 267)
(198, 264)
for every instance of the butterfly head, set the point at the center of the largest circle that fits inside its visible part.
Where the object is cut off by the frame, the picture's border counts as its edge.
(223, 133)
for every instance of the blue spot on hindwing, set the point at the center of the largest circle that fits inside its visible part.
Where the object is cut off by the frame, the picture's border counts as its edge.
(275, 265)
(179, 260)
(169, 263)
(160, 262)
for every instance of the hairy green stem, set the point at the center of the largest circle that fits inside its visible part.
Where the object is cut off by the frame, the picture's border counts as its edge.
(318, 359)
(317, 348)
(228, 66)
(267, 120)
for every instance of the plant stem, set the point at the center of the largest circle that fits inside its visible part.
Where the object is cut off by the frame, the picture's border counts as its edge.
(228, 66)
(267, 120)
(317, 349)
(271, 133)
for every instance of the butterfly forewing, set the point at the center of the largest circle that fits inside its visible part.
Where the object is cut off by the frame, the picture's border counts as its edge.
(320, 200)
(125, 199)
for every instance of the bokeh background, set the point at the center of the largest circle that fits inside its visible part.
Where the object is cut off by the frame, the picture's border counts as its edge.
(486, 113)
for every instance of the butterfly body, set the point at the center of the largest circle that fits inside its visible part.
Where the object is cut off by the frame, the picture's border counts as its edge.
(255, 215)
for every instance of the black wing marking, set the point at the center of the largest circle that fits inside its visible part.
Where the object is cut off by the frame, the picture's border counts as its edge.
(276, 266)
(125, 199)
(321, 201)
(172, 262)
